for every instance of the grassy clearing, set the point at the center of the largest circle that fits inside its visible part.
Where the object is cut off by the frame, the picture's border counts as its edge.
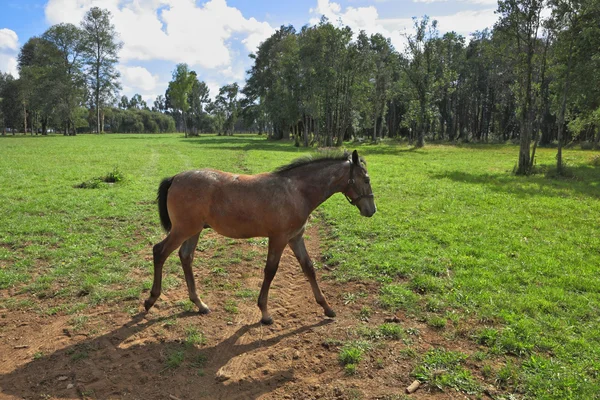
(458, 241)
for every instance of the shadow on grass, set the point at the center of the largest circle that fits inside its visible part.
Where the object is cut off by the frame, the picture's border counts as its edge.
(102, 367)
(261, 143)
(581, 180)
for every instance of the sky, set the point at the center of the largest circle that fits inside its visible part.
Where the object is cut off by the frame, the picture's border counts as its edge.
(215, 37)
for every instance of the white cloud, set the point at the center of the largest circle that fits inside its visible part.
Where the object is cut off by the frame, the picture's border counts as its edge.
(9, 64)
(8, 39)
(138, 78)
(367, 19)
(172, 30)
(9, 45)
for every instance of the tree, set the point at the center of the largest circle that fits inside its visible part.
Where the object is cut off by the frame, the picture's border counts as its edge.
(10, 103)
(520, 21)
(418, 64)
(179, 90)
(100, 49)
(68, 80)
(198, 98)
(227, 105)
(576, 51)
(159, 104)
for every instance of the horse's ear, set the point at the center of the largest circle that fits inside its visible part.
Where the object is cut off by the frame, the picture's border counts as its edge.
(355, 159)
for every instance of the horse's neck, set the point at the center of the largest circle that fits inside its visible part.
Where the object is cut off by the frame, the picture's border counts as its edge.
(320, 183)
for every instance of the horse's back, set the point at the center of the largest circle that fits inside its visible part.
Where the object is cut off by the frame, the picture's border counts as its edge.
(235, 205)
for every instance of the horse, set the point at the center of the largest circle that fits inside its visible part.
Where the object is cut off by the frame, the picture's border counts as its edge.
(274, 205)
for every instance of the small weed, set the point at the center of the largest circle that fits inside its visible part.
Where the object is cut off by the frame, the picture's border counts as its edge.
(79, 355)
(246, 294)
(231, 307)
(436, 322)
(365, 313)
(186, 305)
(89, 184)
(407, 354)
(194, 337)
(174, 359)
(426, 284)
(170, 323)
(349, 298)
(413, 331)
(507, 375)
(350, 369)
(219, 271)
(487, 371)
(199, 361)
(479, 356)
(38, 354)
(350, 354)
(486, 336)
(78, 322)
(391, 331)
(330, 342)
(397, 296)
(379, 363)
(113, 177)
(442, 369)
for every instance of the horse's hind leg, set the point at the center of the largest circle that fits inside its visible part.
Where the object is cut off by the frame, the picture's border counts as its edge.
(186, 255)
(161, 252)
(299, 249)
(275, 250)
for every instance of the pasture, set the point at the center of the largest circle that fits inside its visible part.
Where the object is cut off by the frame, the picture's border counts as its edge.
(474, 281)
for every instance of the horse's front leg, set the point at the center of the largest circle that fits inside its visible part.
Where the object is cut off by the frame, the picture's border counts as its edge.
(276, 246)
(299, 249)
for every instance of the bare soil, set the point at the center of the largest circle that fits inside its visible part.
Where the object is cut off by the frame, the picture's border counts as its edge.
(115, 355)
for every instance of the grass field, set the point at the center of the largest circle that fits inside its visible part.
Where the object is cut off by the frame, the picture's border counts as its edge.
(508, 263)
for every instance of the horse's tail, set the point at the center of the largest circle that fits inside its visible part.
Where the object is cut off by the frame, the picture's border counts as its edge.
(163, 190)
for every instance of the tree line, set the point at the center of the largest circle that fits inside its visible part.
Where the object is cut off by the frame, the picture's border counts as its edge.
(530, 80)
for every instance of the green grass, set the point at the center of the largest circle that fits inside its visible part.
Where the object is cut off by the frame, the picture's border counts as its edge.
(444, 369)
(456, 234)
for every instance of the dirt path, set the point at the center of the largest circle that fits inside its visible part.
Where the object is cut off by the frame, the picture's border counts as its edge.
(170, 354)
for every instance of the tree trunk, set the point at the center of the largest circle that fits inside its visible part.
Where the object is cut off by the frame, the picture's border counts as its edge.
(24, 119)
(563, 106)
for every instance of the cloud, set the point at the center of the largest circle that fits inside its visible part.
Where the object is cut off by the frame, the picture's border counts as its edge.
(171, 30)
(367, 18)
(9, 64)
(9, 46)
(8, 39)
(138, 78)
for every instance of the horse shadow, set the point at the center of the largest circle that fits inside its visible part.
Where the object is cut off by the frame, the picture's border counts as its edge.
(116, 364)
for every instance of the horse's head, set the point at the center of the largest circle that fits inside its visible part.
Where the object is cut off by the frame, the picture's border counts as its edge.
(359, 191)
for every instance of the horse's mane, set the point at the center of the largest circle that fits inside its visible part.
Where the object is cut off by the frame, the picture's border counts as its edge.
(312, 159)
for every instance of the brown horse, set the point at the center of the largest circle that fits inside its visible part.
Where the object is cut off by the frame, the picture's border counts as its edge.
(274, 205)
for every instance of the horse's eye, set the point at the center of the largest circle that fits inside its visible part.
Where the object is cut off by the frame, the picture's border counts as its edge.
(367, 179)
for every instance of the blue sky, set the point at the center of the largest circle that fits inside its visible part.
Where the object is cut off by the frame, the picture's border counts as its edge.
(215, 36)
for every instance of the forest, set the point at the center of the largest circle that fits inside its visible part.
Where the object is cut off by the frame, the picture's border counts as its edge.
(531, 79)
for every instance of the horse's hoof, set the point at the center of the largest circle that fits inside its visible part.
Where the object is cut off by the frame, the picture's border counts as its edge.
(148, 305)
(204, 311)
(330, 313)
(267, 321)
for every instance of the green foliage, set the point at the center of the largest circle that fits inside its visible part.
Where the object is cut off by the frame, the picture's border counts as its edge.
(443, 369)
(350, 354)
(517, 254)
(396, 297)
(174, 359)
(138, 121)
(194, 336)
